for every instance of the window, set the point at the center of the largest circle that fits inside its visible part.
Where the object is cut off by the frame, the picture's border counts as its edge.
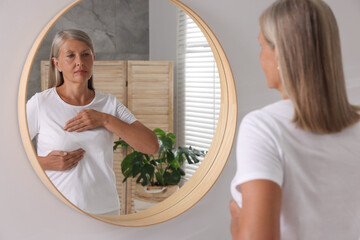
(197, 89)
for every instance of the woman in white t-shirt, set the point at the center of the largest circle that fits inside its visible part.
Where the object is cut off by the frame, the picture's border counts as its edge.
(298, 160)
(74, 126)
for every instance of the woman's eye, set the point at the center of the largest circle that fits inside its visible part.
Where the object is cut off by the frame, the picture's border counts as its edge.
(86, 54)
(70, 55)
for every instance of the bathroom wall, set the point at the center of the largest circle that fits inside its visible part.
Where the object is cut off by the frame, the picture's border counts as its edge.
(30, 212)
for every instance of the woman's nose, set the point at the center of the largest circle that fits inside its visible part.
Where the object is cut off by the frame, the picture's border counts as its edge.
(78, 61)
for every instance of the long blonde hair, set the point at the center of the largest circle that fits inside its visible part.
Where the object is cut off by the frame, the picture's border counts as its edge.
(306, 38)
(56, 77)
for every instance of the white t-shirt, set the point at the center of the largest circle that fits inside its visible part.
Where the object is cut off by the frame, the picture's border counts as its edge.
(319, 174)
(91, 185)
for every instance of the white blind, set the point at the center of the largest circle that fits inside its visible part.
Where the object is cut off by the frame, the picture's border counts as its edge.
(198, 89)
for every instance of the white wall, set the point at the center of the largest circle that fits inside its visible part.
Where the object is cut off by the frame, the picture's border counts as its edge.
(29, 211)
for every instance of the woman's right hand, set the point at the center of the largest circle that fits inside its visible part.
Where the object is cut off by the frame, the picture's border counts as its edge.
(61, 160)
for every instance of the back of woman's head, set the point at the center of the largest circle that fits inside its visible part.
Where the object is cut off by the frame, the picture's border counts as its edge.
(306, 38)
(55, 77)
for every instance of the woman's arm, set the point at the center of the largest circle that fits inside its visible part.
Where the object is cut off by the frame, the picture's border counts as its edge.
(259, 217)
(136, 134)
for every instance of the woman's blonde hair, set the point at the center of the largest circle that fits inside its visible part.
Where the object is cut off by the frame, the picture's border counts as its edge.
(306, 38)
(56, 77)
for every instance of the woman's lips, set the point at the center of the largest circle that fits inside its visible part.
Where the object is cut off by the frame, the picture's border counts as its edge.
(80, 71)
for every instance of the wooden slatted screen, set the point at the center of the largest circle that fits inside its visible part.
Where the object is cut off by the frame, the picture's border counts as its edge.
(150, 93)
(44, 75)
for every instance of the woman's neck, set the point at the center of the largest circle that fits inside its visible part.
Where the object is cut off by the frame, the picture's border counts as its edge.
(75, 94)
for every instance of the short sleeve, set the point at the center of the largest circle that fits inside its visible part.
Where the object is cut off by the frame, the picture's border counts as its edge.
(32, 114)
(257, 153)
(124, 114)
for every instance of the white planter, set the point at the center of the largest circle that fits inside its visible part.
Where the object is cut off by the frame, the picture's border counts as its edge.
(154, 194)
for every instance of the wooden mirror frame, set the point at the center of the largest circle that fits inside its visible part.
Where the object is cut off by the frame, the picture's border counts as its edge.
(210, 168)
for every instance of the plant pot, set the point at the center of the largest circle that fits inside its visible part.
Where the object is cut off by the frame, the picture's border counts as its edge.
(154, 194)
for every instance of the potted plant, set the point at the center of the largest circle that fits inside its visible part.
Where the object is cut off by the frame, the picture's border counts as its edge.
(158, 171)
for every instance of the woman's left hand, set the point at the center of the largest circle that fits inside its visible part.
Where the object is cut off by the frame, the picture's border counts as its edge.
(85, 120)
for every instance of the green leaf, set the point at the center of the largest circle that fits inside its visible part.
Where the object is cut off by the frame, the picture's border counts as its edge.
(166, 143)
(172, 137)
(146, 174)
(126, 165)
(190, 154)
(160, 178)
(175, 164)
(187, 156)
(144, 181)
(138, 160)
(136, 169)
(121, 143)
(116, 144)
(170, 157)
(181, 171)
(149, 169)
(172, 178)
(159, 132)
(125, 179)
(179, 158)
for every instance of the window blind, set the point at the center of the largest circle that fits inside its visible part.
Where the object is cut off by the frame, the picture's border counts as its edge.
(198, 89)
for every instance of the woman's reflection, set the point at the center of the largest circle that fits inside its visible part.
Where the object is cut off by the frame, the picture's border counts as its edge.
(74, 126)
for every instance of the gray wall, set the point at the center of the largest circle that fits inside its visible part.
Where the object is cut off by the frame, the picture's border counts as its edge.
(30, 212)
(119, 30)
(162, 38)
(163, 27)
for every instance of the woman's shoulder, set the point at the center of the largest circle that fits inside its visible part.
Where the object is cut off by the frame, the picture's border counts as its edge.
(108, 102)
(43, 95)
(106, 99)
(101, 96)
(282, 110)
(273, 118)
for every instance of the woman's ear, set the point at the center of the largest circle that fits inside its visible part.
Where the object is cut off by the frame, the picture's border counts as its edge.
(56, 63)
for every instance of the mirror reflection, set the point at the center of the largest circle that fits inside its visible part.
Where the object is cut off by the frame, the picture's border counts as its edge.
(161, 74)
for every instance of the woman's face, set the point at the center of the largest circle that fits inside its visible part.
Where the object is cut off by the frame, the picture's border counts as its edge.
(269, 64)
(75, 61)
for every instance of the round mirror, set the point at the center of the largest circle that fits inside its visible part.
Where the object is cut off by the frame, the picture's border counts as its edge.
(143, 35)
